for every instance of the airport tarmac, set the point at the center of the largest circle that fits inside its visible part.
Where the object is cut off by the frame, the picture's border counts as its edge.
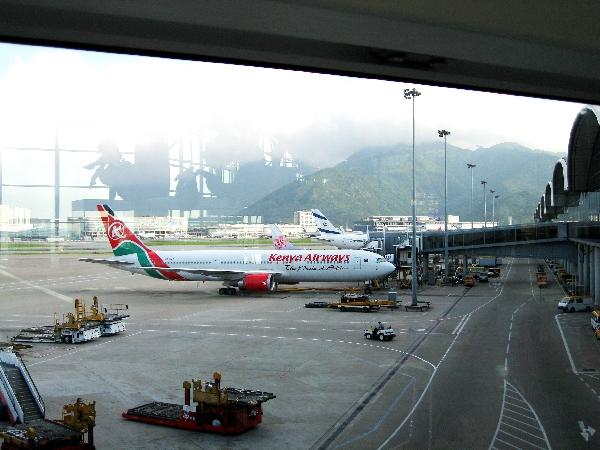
(316, 361)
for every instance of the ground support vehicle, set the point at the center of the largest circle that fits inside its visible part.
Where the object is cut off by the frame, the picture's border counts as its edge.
(222, 410)
(45, 334)
(473, 270)
(574, 303)
(317, 305)
(358, 302)
(489, 261)
(494, 271)
(26, 426)
(79, 327)
(358, 306)
(597, 332)
(380, 332)
(67, 332)
(469, 280)
(542, 280)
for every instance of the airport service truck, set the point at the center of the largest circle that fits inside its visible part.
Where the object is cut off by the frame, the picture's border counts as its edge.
(490, 261)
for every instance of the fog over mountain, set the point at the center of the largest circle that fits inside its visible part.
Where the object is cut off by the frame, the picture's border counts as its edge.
(378, 181)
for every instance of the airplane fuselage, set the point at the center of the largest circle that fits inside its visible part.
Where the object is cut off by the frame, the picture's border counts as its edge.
(288, 266)
(348, 241)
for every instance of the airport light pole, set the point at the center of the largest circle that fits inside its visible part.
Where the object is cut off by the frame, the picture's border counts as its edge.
(410, 95)
(493, 212)
(444, 134)
(484, 206)
(471, 166)
(493, 209)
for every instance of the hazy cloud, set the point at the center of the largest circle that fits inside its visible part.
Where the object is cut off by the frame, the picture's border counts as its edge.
(318, 119)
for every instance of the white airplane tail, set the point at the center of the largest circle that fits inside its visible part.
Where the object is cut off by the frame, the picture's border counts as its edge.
(323, 224)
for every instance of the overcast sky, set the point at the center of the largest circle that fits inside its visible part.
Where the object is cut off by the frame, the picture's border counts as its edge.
(318, 119)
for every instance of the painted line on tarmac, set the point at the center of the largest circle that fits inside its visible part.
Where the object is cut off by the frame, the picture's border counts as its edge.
(93, 346)
(564, 339)
(39, 288)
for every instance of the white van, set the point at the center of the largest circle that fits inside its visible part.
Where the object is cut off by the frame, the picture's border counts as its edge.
(574, 303)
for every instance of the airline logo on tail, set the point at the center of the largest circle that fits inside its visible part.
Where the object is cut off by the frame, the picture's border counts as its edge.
(116, 231)
(280, 241)
(323, 225)
(124, 242)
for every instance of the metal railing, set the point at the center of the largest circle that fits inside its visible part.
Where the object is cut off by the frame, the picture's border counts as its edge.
(31, 384)
(10, 396)
(12, 358)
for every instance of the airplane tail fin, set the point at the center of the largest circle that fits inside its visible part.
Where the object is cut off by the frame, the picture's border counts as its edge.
(121, 238)
(323, 225)
(279, 240)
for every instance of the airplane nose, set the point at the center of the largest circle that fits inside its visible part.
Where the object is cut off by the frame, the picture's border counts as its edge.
(389, 268)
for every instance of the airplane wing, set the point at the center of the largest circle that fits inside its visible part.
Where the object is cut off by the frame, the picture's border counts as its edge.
(110, 262)
(220, 273)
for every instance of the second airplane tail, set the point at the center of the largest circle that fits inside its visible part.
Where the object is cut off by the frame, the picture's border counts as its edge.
(323, 225)
(279, 240)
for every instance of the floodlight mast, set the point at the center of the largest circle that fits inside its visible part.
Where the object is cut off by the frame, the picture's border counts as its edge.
(492, 191)
(444, 134)
(494, 209)
(471, 166)
(410, 95)
(484, 206)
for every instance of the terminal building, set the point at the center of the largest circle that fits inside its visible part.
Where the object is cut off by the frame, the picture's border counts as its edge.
(573, 196)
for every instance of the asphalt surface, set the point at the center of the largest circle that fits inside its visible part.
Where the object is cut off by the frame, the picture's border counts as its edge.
(494, 366)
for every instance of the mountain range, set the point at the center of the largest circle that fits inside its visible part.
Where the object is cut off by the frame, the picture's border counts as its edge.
(378, 181)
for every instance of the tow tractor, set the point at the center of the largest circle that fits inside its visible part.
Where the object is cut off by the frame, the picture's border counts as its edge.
(222, 410)
(379, 331)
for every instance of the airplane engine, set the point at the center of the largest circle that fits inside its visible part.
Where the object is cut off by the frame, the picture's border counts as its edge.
(258, 282)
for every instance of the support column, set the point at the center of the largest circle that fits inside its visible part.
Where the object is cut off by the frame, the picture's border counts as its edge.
(586, 270)
(592, 271)
(465, 266)
(597, 276)
(580, 259)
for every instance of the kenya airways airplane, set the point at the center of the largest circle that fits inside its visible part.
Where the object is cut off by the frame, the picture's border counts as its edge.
(250, 270)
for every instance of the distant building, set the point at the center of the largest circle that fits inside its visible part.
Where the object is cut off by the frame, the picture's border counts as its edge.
(305, 220)
(252, 231)
(15, 219)
(155, 226)
(423, 223)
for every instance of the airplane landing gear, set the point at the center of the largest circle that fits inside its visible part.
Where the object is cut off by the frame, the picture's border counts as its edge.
(227, 291)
